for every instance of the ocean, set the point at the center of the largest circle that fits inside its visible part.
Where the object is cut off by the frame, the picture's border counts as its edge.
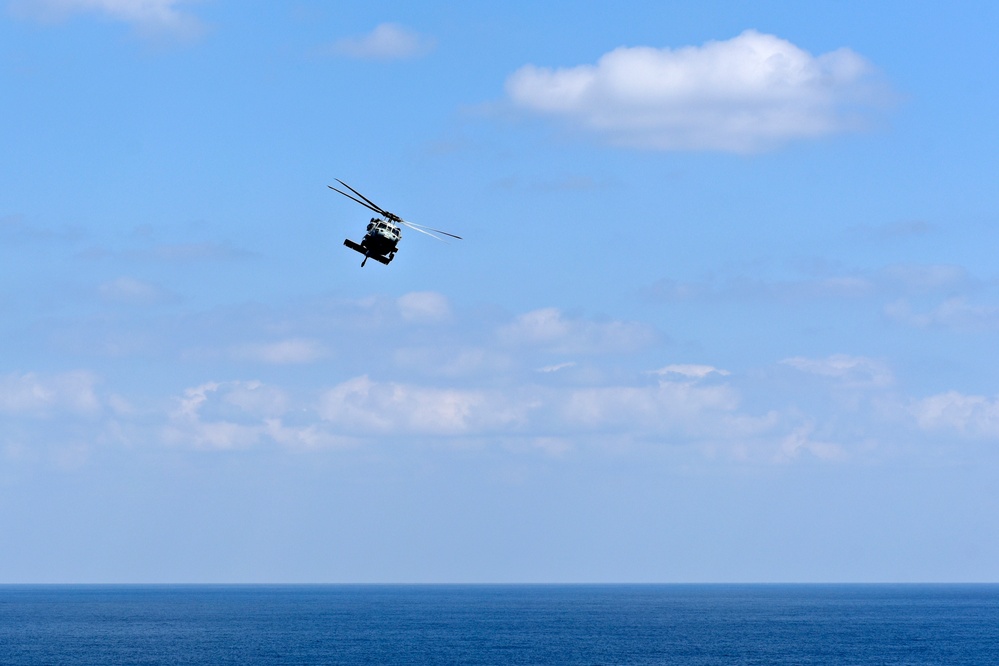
(500, 624)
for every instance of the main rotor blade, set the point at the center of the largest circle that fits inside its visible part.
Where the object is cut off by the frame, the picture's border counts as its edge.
(424, 228)
(427, 230)
(371, 203)
(424, 232)
(381, 212)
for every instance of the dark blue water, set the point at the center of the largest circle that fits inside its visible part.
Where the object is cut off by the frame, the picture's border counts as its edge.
(642, 624)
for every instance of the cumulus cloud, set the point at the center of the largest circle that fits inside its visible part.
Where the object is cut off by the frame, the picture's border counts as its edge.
(800, 441)
(746, 94)
(971, 415)
(424, 307)
(366, 406)
(148, 16)
(304, 438)
(253, 397)
(388, 41)
(503, 381)
(680, 405)
(551, 329)
(36, 395)
(857, 371)
(554, 420)
(238, 415)
(659, 409)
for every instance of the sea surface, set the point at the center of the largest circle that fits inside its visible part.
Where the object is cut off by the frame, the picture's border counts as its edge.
(501, 624)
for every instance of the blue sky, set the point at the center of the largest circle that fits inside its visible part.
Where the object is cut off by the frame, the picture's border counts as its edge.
(725, 308)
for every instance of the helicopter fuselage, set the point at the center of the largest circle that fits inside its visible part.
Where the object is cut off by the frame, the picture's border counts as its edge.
(380, 242)
(384, 233)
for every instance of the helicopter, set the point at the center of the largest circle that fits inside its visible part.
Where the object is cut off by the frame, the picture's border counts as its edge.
(382, 238)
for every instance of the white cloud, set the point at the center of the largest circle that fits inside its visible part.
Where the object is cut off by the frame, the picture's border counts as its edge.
(556, 367)
(238, 415)
(667, 408)
(971, 415)
(215, 435)
(361, 405)
(306, 438)
(44, 396)
(687, 404)
(283, 352)
(256, 398)
(550, 329)
(800, 440)
(539, 326)
(857, 371)
(159, 16)
(953, 313)
(746, 94)
(388, 41)
(130, 290)
(225, 427)
(691, 371)
(498, 381)
(424, 307)
(364, 407)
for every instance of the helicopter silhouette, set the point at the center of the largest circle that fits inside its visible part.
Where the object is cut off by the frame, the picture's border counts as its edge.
(381, 241)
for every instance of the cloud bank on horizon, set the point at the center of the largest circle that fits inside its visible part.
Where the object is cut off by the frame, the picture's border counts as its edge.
(747, 94)
(493, 394)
